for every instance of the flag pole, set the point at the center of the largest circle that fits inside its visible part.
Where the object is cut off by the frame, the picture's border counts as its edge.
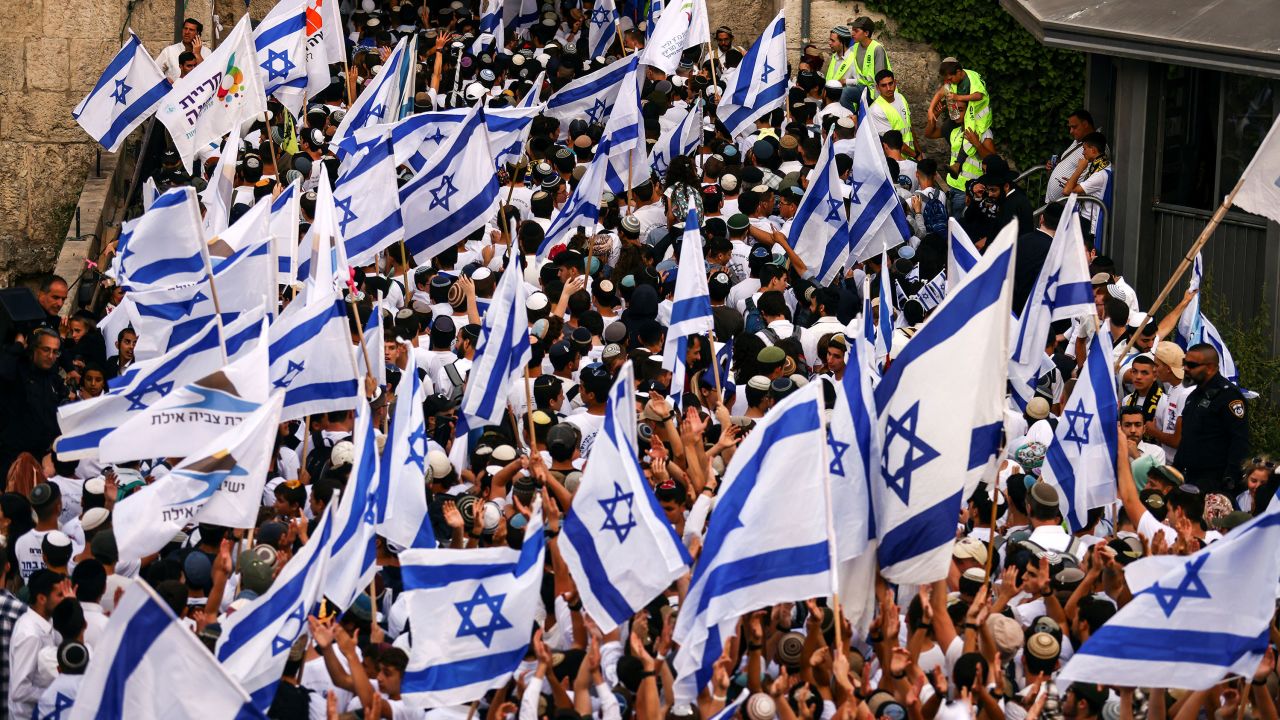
(831, 523)
(217, 307)
(364, 350)
(714, 59)
(715, 359)
(528, 411)
(1187, 259)
(991, 536)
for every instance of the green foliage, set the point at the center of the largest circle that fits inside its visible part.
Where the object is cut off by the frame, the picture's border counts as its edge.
(1033, 88)
(1250, 344)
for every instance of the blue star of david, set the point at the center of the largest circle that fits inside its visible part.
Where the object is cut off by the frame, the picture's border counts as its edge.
(512, 149)
(445, 188)
(834, 207)
(371, 509)
(120, 94)
(1191, 586)
(136, 397)
(289, 630)
(856, 187)
(918, 453)
(348, 217)
(610, 505)
(600, 16)
(286, 65)
(496, 620)
(1050, 287)
(766, 71)
(1080, 438)
(60, 702)
(659, 159)
(417, 457)
(291, 373)
(377, 110)
(596, 111)
(838, 449)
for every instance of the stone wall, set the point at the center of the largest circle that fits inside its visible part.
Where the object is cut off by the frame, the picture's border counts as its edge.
(51, 54)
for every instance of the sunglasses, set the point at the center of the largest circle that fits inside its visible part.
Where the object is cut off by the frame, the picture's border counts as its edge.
(1191, 365)
(1264, 462)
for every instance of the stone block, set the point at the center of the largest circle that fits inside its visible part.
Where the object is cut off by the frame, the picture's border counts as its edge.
(88, 58)
(43, 116)
(12, 65)
(56, 175)
(48, 66)
(13, 188)
(21, 18)
(83, 19)
(748, 18)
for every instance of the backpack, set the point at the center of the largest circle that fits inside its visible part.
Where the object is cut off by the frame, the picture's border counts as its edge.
(935, 215)
(752, 320)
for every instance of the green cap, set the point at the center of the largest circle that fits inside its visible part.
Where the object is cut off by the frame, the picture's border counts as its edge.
(739, 221)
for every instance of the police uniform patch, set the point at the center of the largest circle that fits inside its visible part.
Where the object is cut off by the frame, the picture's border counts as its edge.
(1236, 407)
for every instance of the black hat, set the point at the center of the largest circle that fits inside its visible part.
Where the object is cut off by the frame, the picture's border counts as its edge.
(570, 258)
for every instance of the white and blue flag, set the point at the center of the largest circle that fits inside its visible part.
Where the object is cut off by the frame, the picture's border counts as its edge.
(382, 100)
(502, 353)
(591, 96)
(351, 567)
(884, 319)
(758, 84)
(762, 545)
(366, 201)
(682, 139)
(1193, 620)
(489, 32)
(219, 483)
(473, 612)
(403, 465)
(129, 90)
(615, 518)
(281, 42)
(286, 213)
(876, 220)
(820, 230)
(1064, 290)
(1081, 459)
(136, 658)
(603, 28)
(941, 405)
(449, 199)
(165, 246)
(256, 639)
(1195, 328)
(582, 209)
(684, 25)
(691, 304)
(624, 137)
(962, 254)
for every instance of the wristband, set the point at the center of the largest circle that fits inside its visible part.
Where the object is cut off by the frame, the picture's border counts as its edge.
(1258, 683)
(647, 674)
(755, 647)
(898, 676)
(576, 607)
(971, 626)
(719, 698)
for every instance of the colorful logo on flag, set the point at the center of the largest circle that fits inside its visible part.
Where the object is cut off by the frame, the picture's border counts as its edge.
(232, 82)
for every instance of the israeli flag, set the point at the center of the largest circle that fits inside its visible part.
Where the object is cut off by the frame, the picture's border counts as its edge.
(682, 139)
(524, 12)
(624, 130)
(165, 317)
(1064, 290)
(403, 466)
(884, 320)
(876, 220)
(941, 405)
(684, 27)
(281, 42)
(489, 32)
(219, 483)
(1195, 328)
(382, 100)
(758, 85)
(652, 14)
(509, 130)
(591, 96)
(135, 660)
(85, 423)
(1193, 620)
(962, 254)
(193, 415)
(691, 305)
(449, 199)
(256, 639)
(216, 196)
(350, 567)
(615, 519)
(129, 90)
(762, 545)
(1081, 459)
(533, 98)
(311, 356)
(502, 353)
(371, 345)
(478, 609)
(820, 230)
(582, 209)
(413, 139)
(853, 456)
(286, 213)
(367, 202)
(603, 28)
(165, 246)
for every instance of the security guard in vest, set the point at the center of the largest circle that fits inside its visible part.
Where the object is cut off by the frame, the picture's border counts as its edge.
(890, 109)
(1215, 432)
(965, 167)
(840, 66)
(870, 56)
(963, 86)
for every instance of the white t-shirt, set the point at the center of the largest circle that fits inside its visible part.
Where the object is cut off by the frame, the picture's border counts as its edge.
(1168, 410)
(589, 425)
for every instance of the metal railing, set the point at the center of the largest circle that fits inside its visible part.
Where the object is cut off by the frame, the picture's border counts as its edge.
(1104, 243)
(1037, 188)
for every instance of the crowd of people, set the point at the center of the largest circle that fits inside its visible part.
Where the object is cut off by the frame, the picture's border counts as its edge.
(1022, 594)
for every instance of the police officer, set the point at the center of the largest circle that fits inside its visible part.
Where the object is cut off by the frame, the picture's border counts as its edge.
(1215, 434)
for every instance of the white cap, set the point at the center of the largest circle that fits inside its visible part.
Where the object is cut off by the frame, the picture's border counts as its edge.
(343, 453)
(94, 518)
(439, 464)
(57, 538)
